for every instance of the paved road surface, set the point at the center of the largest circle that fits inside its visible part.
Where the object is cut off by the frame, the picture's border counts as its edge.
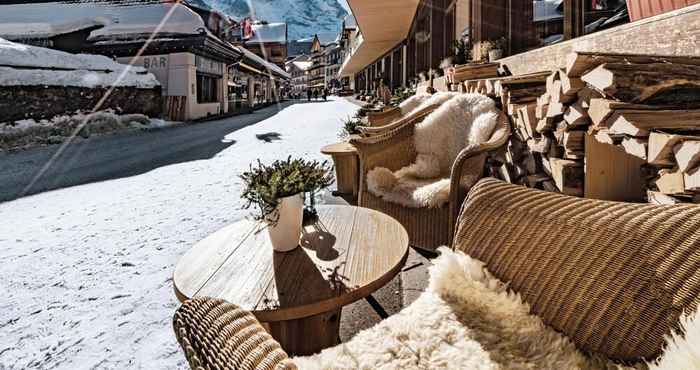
(118, 155)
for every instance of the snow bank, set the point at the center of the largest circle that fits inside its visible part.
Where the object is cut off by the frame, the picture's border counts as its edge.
(20, 55)
(28, 132)
(87, 270)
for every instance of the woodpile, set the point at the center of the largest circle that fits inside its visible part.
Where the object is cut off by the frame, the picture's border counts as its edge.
(639, 116)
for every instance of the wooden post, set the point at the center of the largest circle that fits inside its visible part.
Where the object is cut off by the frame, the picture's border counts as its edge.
(573, 19)
(521, 29)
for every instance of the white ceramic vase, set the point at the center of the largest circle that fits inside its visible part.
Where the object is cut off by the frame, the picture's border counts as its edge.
(285, 233)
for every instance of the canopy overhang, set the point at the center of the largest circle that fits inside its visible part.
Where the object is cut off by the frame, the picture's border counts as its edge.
(383, 24)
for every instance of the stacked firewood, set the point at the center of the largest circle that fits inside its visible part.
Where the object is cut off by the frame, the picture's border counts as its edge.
(648, 107)
(549, 122)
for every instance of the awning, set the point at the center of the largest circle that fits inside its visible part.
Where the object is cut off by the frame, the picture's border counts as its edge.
(383, 25)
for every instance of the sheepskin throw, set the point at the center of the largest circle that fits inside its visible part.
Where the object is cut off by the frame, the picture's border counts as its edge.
(466, 319)
(410, 104)
(461, 120)
(682, 349)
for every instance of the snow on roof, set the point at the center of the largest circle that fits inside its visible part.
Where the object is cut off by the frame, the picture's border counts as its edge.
(20, 55)
(80, 78)
(271, 66)
(546, 10)
(81, 70)
(269, 32)
(49, 19)
(303, 65)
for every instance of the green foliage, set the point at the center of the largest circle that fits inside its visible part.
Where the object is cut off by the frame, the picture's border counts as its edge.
(462, 51)
(402, 94)
(351, 126)
(266, 184)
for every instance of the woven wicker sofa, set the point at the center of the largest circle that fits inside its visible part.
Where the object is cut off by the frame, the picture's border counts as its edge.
(613, 277)
(428, 228)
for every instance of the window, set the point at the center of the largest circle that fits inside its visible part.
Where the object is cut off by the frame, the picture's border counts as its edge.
(207, 89)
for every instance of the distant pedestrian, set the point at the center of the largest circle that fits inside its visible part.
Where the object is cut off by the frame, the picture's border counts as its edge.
(315, 94)
(308, 95)
(325, 94)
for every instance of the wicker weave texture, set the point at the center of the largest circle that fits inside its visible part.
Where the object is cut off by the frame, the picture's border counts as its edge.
(219, 335)
(614, 277)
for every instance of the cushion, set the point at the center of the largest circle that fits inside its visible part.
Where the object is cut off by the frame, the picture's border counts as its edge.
(466, 319)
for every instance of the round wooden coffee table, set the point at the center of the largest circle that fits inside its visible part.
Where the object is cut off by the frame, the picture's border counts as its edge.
(346, 255)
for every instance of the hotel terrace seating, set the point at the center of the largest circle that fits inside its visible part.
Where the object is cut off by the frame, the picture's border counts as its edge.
(393, 149)
(612, 277)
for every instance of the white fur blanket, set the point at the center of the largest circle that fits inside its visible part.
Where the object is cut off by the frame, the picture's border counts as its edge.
(466, 319)
(462, 120)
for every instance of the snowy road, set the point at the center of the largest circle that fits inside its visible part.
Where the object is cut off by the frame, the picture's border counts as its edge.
(114, 156)
(86, 270)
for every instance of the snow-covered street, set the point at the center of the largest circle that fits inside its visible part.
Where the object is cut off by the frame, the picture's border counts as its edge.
(86, 270)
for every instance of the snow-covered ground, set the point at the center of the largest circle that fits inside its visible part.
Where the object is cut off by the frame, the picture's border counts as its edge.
(86, 271)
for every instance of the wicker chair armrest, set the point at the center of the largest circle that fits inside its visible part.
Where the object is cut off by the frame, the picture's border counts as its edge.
(215, 334)
(409, 119)
(382, 118)
(472, 159)
(393, 150)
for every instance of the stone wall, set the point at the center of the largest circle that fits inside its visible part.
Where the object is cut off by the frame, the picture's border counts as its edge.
(43, 102)
(673, 33)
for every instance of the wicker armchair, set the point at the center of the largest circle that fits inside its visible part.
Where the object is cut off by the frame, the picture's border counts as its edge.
(219, 335)
(613, 277)
(428, 228)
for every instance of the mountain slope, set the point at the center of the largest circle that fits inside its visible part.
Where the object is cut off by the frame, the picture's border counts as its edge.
(304, 17)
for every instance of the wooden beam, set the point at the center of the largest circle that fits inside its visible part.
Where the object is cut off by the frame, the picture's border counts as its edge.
(573, 19)
(578, 63)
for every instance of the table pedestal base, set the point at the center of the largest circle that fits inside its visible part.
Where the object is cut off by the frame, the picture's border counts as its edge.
(308, 335)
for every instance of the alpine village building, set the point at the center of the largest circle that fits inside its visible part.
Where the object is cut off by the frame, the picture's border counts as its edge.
(197, 56)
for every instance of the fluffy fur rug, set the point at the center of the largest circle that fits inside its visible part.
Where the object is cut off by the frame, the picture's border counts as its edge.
(466, 319)
(462, 120)
(410, 104)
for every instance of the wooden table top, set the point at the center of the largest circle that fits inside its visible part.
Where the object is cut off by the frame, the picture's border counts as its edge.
(345, 256)
(341, 148)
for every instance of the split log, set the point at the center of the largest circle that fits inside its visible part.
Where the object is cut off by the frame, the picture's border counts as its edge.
(670, 182)
(603, 136)
(692, 180)
(574, 141)
(576, 115)
(601, 109)
(555, 110)
(475, 71)
(578, 63)
(527, 114)
(661, 147)
(539, 145)
(657, 119)
(620, 126)
(659, 198)
(586, 94)
(558, 96)
(568, 176)
(637, 83)
(635, 147)
(687, 155)
(570, 85)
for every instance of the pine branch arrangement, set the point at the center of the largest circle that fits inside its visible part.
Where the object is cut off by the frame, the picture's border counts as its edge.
(351, 126)
(266, 184)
